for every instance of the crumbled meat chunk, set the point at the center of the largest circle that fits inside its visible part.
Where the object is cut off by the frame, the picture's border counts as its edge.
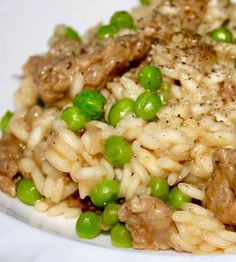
(101, 66)
(10, 152)
(149, 221)
(221, 187)
(8, 166)
(7, 186)
(52, 75)
(10, 148)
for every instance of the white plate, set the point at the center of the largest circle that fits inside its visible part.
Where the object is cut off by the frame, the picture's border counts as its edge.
(25, 26)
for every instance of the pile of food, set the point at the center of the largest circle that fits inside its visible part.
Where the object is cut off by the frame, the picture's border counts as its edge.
(132, 128)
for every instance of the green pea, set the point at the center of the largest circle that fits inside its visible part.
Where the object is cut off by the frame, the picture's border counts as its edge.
(27, 192)
(88, 225)
(72, 34)
(147, 105)
(223, 35)
(75, 118)
(91, 102)
(5, 120)
(106, 31)
(122, 19)
(159, 187)
(104, 192)
(117, 151)
(119, 110)
(176, 198)
(145, 2)
(67, 32)
(164, 92)
(150, 77)
(120, 236)
(110, 214)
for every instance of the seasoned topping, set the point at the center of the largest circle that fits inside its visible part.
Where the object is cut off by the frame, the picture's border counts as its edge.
(186, 49)
(53, 73)
(174, 16)
(191, 13)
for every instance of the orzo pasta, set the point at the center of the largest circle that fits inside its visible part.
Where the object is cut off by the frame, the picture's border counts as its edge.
(132, 127)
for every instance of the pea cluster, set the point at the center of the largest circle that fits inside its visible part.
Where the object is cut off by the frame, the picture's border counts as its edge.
(118, 152)
(88, 105)
(160, 189)
(90, 224)
(148, 103)
(103, 195)
(119, 20)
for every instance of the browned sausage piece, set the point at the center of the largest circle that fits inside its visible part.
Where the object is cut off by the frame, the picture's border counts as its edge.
(10, 152)
(150, 222)
(53, 73)
(221, 187)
